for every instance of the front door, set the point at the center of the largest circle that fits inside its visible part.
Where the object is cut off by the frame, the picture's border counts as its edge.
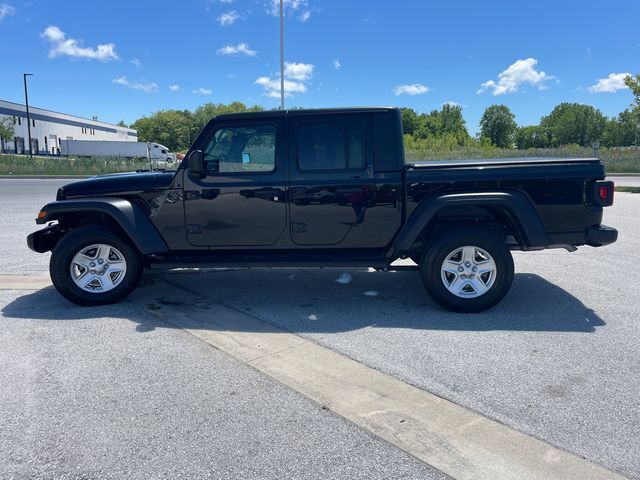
(242, 199)
(331, 175)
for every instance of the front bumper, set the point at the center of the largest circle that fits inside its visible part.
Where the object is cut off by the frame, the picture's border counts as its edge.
(44, 240)
(601, 235)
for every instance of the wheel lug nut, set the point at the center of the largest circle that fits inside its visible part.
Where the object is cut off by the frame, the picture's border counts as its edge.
(460, 269)
(92, 272)
(475, 269)
(100, 261)
(93, 264)
(467, 264)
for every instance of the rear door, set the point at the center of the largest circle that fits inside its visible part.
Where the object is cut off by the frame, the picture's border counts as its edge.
(331, 176)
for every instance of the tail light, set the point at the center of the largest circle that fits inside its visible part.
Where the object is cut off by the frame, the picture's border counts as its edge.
(602, 193)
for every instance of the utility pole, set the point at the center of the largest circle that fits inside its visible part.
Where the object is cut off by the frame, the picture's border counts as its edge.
(281, 54)
(26, 101)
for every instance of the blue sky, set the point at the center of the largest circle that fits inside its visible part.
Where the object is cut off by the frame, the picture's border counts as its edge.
(124, 59)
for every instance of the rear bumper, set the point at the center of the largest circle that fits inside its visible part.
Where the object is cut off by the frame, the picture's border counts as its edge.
(594, 236)
(601, 235)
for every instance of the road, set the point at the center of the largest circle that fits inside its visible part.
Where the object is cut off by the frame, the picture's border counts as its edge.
(556, 360)
(626, 181)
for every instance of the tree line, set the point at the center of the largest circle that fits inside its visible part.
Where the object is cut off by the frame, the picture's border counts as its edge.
(567, 124)
(444, 129)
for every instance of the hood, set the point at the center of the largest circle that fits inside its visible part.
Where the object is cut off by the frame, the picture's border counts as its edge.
(117, 183)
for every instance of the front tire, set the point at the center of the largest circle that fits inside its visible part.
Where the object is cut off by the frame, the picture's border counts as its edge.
(93, 265)
(467, 270)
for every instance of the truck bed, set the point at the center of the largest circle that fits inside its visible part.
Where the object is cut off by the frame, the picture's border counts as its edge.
(499, 162)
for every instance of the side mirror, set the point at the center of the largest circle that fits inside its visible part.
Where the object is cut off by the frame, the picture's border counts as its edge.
(196, 163)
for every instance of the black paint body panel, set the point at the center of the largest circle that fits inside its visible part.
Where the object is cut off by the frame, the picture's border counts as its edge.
(370, 215)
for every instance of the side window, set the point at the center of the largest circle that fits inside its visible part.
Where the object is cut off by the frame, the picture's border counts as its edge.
(331, 146)
(242, 149)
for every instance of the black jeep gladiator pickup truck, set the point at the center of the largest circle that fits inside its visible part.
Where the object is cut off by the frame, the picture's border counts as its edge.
(321, 188)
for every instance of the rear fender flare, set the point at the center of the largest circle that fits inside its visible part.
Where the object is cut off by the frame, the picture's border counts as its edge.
(133, 221)
(516, 204)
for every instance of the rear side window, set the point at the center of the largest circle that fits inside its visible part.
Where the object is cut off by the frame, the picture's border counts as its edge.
(331, 146)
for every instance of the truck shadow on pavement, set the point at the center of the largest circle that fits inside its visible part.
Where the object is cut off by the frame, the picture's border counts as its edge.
(312, 301)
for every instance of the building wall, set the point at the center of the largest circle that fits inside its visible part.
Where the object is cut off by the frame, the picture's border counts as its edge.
(48, 128)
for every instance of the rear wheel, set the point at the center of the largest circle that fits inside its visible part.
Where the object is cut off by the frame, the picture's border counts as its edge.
(94, 265)
(467, 270)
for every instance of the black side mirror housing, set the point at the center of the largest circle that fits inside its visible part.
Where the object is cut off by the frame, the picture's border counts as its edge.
(196, 163)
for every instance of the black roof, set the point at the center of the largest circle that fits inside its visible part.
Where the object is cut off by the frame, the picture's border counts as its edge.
(302, 112)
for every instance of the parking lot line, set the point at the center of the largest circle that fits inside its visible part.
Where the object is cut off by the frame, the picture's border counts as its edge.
(453, 439)
(24, 282)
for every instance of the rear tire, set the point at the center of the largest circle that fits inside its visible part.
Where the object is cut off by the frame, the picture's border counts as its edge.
(467, 270)
(94, 265)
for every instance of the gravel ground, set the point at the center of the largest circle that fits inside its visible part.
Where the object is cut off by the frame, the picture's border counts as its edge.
(557, 359)
(111, 393)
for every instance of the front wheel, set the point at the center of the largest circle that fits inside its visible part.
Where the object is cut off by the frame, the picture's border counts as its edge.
(94, 265)
(467, 270)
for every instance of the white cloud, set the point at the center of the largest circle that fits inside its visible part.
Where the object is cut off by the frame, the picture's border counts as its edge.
(298, 71)
(451, 103)
(174, 88)
(240, 49)
(136, 62)
(337, 64)
(611, 84)
(62, 46)
(6, 10)
(272, 87)
(202, 91)
(413, 89)
(520, 72)
(228, 18)
(295, 76)
(151, 87)
(290, 6)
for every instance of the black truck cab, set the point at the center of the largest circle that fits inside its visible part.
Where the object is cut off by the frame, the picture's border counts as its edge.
(319, 188)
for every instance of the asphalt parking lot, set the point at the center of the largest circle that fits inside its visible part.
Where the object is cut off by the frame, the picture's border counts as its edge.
(116, 392)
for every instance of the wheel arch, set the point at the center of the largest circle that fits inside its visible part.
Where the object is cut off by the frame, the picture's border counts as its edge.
(510, 208)
(122, 214)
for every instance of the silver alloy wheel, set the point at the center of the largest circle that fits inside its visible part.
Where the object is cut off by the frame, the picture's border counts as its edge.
(468, 272)
(98, 268)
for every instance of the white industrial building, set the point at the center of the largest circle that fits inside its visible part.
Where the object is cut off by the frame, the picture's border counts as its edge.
(49, 128)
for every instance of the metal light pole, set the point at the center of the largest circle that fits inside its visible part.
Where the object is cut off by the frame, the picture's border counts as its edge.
(282, 54)
(26, 101)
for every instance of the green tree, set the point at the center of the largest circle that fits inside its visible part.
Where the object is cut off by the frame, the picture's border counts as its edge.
(621, 131)
(172, 128)
(498, 125)
(204, 113)
(533, 136)
(409, 120)
(122, 124)
(633, 82)
(452, 122)
(448, 121)
(574, 123)
(6, 131)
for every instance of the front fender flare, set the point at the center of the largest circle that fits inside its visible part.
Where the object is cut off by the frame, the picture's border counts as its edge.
(515, 203)
(127, 215)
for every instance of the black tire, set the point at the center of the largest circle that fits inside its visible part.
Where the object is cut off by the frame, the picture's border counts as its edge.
(72, 243)
(450, 240)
